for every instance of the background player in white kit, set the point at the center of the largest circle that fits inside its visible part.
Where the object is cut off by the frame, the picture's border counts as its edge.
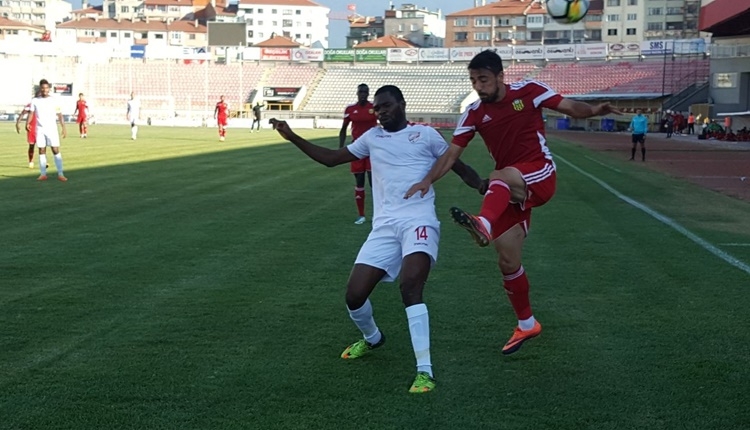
(405, 233)
(46, 112)
(134, 115)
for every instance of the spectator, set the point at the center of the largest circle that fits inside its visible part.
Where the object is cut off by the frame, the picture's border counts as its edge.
(691, 123)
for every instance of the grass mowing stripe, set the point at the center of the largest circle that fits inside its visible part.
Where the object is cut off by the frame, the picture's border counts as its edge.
(730, 259)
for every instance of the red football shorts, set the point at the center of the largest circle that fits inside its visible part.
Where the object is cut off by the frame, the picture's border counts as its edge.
(81, 119)
(31, 137)
(361, 166)
(222, 121)
(541, 181)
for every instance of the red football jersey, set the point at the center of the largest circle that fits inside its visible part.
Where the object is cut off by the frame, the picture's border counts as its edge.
(31, 134)
(512, 128)
(362, 118)
(82, 108)
(222, 109)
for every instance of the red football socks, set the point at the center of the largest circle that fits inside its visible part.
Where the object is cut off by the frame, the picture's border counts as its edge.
(517, 287)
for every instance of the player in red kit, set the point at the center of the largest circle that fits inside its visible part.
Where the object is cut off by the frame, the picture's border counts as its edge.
(82, 112)
(30, 134)
(221, 114)
(362, 118)
(509, 119)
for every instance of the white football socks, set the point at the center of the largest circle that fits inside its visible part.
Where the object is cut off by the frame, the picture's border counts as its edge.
(419, 327)
(43, 164)
(365, 322)
(486, 223)
(527, 324)
(59, 164)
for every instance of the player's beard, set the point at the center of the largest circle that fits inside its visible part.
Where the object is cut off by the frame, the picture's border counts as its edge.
(491, 98)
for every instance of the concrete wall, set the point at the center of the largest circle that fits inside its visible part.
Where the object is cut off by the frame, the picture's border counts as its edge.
(735, 99)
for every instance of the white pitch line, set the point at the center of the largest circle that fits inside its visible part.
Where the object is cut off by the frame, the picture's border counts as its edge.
(741, 178)
(602, 164)
(734, 244)
(664, 219)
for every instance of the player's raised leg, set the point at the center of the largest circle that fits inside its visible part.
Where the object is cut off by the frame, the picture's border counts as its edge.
(414, 272)
(505, 184)
(362, 282)
(509, 248)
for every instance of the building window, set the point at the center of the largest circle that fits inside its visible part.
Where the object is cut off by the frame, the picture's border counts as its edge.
(249, 11)
(613, 18)
(275, 23)
(174, 9)
(630, 31)
(612, 32)
(613, 2)
(260, 22)
(249, 21)
(461, 22)
(260, 10)
(287, 34)
(400, 28)
(414, 27)
(126, 35)
(274, 11)
(298, 36)
(535, 35)
(654, 11)
(674, 25)
(286, 11)
(39, 4)
(309, 24)
(161, 8)
(632, 2)
(632, 17)
(482, 21)
(535, 19)
(593, 18)
(482, 36)
(124, 9)
(298, 12)
(144, 35)
(103, 34)
(260, 35)
(158, 36)
(674, 11)
(461, 36)
(286, 23)
(503, 22)
(113, 34)
(655, 26)
(596, 35)
(308, 36)
(176, 36)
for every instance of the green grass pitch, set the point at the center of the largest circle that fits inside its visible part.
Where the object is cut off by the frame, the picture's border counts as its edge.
(179, 282)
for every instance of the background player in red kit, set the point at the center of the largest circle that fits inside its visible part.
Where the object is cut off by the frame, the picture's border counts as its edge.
(362, 117)
(509, 119)
(221, 114)
(30, 134)
(82, 110)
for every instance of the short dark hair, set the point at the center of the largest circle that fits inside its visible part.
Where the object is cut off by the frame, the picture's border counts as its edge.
(488, 60)
(43, 82)
(392, 90)
(363, 86)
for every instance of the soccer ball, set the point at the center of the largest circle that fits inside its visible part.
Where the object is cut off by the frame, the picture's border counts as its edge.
(567, 11)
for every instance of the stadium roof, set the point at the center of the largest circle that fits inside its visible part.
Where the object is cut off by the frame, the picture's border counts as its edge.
(386, 42)
(136, 25)
(277, 41)
(726, 18)
(280, 3)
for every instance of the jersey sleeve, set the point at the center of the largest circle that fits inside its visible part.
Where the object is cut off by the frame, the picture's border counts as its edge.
(346, 113)
(544, 96)
(360, 148)
(465, 129)
(438, 145)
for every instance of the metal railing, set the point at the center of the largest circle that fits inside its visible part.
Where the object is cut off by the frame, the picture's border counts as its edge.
(729, 51)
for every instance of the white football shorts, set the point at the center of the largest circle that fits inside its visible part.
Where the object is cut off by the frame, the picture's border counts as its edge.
(45, 138)
(387, 245)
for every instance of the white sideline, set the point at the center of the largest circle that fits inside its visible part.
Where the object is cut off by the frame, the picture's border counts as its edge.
(664, 219)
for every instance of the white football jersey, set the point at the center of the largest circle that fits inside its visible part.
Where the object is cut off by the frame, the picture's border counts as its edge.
(400, 160)
(134, 108)
(45, 109)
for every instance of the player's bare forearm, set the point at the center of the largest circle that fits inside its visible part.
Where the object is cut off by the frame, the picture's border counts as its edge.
(325, 156)
(342, 138)
(580, 110)
(468, 174)
(444, 164)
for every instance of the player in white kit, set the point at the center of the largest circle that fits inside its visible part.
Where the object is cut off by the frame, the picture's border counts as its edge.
(405, 232)
(134, 115)
(46, 112)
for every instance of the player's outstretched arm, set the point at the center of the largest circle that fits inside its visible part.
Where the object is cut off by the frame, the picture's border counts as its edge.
(470, 176)
(325, 156)
(581, 110)
(342, 133)
(439, 169)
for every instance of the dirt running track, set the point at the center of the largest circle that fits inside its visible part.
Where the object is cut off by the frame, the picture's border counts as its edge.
(719, 166)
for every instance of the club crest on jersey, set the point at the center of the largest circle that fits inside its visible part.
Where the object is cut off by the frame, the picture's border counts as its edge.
(518, 104)
(413, 137)
(371, 111)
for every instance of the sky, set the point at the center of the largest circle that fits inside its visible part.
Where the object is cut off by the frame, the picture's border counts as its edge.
(339, 29)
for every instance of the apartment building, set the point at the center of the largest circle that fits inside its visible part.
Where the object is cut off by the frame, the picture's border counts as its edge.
(303, 21)
(639, 20)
